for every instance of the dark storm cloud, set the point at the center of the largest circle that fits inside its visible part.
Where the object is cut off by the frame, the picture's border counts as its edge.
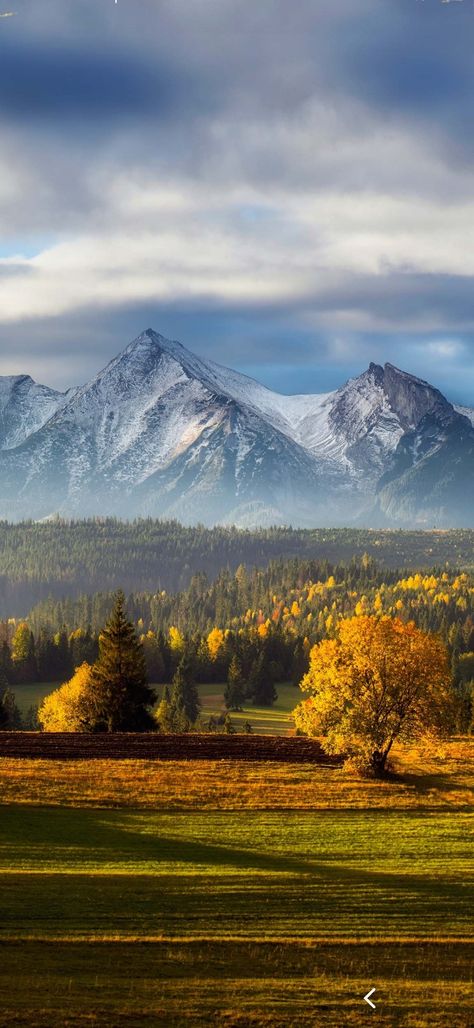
(412, 61)
(66, 84)
(400, 297)
(288, 349)
(277, 122)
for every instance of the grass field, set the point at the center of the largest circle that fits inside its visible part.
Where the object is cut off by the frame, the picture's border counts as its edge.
(274, 720)
(140, 893)
(443, 779)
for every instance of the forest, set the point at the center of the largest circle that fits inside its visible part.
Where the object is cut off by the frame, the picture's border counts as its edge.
(66, 558)
(264, 621)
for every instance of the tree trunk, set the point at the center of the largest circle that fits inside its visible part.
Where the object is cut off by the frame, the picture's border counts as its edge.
(378, 761)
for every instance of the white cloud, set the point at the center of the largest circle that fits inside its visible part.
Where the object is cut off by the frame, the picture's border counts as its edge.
(256, 205)
(172, 239)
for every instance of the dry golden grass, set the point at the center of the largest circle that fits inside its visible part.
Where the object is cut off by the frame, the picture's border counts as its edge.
(233, 985)
(435, 778)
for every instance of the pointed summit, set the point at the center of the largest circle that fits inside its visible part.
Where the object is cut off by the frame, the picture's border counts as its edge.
(411, 398)
(24, 407)
(162, 432)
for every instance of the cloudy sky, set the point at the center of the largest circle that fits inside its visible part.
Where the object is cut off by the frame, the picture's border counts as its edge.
(287, 188)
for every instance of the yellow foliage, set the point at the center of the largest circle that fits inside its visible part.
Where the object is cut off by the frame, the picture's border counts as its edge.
(215, 641)
(379, 681)
(176, 639)
(63, 709)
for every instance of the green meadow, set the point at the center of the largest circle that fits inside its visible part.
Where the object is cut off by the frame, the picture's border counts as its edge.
(246, 917)
(274, 720)
(268, 875)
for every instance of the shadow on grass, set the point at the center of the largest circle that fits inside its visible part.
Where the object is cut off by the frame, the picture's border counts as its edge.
(426, 783)
(89, 838)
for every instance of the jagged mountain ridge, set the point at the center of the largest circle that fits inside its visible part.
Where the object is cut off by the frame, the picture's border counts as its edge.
(24, 407)
(162, 432)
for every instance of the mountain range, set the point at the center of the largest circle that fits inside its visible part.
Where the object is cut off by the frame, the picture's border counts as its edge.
(161, 432)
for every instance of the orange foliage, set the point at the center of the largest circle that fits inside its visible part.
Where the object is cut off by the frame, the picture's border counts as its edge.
(378, 681)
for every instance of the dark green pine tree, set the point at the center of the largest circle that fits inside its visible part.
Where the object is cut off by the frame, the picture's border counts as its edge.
(120, 697)
(300, 662)
(234, 692)
(185, 704)
(4, 714)
(6, 662)
(10, 717)
(262, 689)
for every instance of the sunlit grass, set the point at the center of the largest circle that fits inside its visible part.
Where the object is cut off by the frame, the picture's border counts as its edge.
(198, 983)
(439, 778)
(262, 874)
(244, 918)
(148, 894)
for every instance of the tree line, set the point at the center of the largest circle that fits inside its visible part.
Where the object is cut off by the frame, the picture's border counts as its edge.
(264, 622)
(114, 695)
(379, 680)
(66, 558)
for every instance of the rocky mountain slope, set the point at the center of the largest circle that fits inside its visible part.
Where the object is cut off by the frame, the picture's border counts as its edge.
(161, 432)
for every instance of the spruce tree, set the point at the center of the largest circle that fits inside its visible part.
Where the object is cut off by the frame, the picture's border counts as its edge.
(6, 662)
(261, 683)
(185, 704)
(4, 718)
(30, 719)
(300, 662)
(234, 693)
(163, 713)
(10, 717)
(120, 695)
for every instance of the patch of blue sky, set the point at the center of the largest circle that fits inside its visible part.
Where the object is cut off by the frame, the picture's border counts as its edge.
(24, 247)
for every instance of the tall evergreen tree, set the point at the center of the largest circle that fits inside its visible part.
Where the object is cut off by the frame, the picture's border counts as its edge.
(10, 717)
(24, 658)
(262, 689)
(185, 703)
(300, 662)
(6, 662)
(3, 709)
(234, 693)
(121, 699)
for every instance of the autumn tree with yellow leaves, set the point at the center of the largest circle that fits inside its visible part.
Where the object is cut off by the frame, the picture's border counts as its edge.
(111, 696)
(381, 679)
(68, 708)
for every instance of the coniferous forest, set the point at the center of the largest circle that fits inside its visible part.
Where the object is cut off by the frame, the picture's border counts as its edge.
(250, 627)
(66, 558)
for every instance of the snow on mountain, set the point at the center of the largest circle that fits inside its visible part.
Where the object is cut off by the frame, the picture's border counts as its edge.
(162, 432)
(467, 412)
(24, 407)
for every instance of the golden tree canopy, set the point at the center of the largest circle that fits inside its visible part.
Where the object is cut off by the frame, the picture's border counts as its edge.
(379, 680)
(215, 642)
(65, 709)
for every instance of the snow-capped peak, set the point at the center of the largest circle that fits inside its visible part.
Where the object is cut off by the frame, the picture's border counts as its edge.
(161, 431)
(24, 407)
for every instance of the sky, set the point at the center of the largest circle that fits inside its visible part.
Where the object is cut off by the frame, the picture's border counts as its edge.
(286, 188)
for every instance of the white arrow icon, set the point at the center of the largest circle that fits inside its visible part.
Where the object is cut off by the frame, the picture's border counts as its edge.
(368, 999)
